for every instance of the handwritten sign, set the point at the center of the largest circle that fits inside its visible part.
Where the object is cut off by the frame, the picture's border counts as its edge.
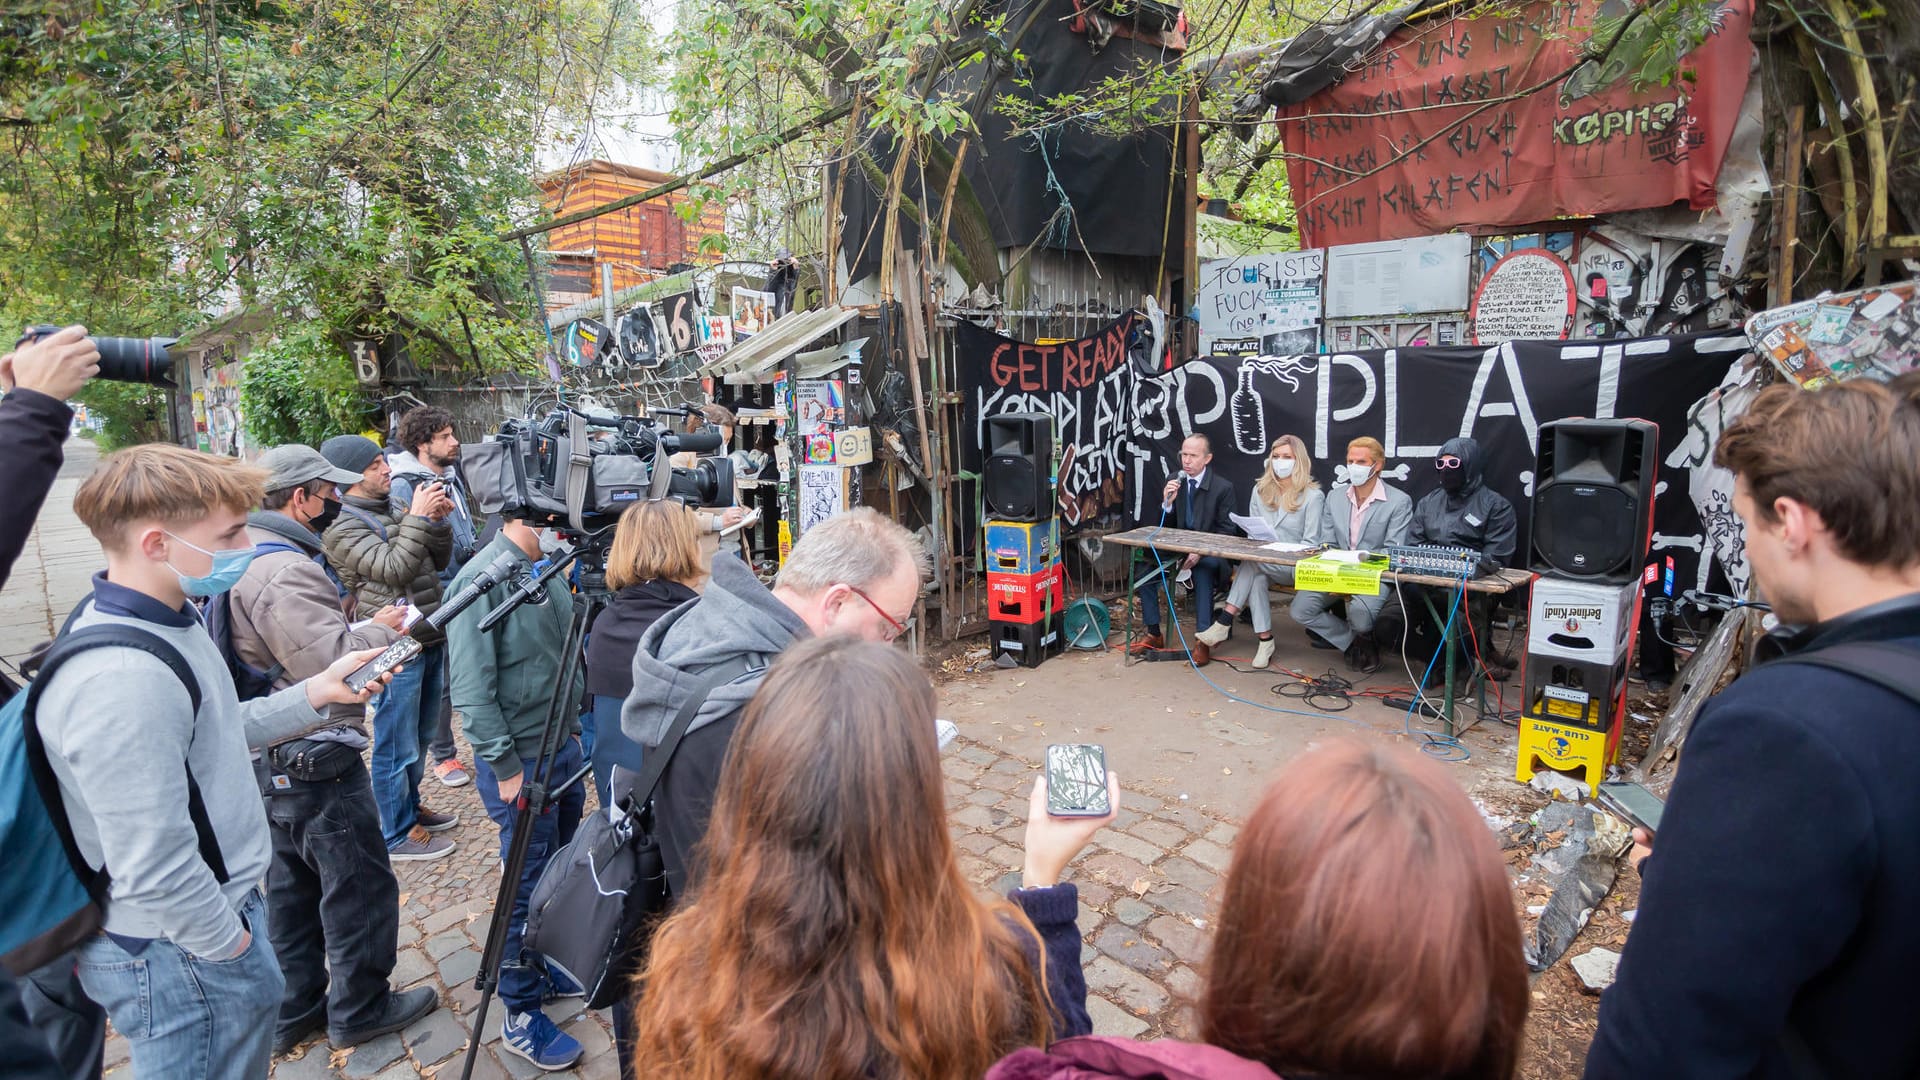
(1430, 132)
(1526, 296)
(1271, 301)
(1085, 385)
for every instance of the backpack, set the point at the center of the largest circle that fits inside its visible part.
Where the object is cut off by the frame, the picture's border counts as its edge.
(51, 899)
(590, 908)
(217, 613)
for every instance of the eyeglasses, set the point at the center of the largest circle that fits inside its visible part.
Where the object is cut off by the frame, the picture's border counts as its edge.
(1446, 463)
(898, 626)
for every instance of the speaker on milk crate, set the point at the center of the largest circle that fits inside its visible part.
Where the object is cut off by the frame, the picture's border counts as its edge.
(1018, 479)
(1593, 499)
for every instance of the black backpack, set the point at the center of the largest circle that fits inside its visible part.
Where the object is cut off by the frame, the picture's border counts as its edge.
(248, 681)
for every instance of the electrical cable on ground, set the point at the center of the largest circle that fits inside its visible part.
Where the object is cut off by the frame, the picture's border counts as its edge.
(1444, 747)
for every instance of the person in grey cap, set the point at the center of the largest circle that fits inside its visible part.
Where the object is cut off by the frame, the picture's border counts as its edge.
(335, 903)
(387, 555)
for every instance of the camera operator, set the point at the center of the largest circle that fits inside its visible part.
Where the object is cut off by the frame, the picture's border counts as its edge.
(854, 574)
(37, 378)
(385, 556)
(430, 453)
(501, 683)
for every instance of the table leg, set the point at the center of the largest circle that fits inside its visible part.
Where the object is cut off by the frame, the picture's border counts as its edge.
(1133, 563)
(1448, 635)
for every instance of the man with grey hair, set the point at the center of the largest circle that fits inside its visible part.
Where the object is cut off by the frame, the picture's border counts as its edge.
(855, 573)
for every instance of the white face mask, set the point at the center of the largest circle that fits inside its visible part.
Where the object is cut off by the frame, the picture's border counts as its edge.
(1282, 466)
(1359, 474)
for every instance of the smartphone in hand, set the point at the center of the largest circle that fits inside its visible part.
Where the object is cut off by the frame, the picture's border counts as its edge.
(1077, 780)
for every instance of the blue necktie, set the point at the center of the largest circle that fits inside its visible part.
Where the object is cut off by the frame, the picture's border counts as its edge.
(1191, 485)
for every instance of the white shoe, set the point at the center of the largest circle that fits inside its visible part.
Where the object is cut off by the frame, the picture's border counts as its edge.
(1263, 654)
(1215, 634)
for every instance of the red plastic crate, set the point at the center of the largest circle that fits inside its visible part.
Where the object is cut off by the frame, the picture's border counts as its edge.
(1022, 599)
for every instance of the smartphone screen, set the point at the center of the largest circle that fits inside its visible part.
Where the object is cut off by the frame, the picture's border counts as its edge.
(1077, 780)
(1633, 804)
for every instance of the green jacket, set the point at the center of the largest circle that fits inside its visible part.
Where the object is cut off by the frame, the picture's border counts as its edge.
(501, 681)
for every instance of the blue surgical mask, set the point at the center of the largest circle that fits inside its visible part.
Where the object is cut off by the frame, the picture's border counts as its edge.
(228, 568)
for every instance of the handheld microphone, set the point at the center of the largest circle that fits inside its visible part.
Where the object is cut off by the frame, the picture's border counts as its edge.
(410, 645)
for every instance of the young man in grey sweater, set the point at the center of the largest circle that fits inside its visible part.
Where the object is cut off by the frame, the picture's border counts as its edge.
(184, 966)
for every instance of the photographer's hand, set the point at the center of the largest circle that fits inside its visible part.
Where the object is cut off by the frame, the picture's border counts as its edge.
(426, 498)
(731, 516)
(57, 365)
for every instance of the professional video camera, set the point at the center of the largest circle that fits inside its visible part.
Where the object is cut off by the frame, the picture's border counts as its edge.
(576, 471)
(123, 359)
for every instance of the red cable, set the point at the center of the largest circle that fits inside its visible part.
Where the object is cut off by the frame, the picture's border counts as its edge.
(1499, 696)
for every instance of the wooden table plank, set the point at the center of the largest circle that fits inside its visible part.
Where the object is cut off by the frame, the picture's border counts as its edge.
(1239, 548)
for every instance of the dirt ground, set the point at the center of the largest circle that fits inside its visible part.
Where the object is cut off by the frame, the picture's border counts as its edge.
(1210, 738)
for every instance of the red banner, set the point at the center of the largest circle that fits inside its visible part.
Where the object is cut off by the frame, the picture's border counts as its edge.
(1438, 93)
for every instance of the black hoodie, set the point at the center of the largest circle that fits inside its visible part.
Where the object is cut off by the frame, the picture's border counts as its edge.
(1476, 516)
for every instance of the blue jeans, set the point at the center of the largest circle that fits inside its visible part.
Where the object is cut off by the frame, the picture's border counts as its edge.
(1207, 573)
(523, 974)
(184, 1015)
(405, 715)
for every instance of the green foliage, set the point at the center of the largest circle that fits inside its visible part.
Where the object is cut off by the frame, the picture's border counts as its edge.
(300, 389)
(348, 163)
(129, 413)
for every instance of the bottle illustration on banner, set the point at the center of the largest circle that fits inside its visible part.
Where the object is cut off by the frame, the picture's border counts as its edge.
(1249, 420)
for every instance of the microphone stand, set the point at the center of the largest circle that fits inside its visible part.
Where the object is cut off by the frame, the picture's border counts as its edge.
(535, 795)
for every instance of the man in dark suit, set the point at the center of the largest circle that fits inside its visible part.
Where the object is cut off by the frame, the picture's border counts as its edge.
(1199, 499)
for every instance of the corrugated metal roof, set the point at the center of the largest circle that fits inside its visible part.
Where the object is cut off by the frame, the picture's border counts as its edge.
(749, 360)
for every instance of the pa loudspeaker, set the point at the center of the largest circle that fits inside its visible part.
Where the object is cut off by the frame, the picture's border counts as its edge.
(1018, 480)
(1593, 499)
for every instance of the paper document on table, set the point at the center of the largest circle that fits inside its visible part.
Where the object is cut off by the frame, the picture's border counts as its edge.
(1286, 547)
(1255, 528)
(1342, 555)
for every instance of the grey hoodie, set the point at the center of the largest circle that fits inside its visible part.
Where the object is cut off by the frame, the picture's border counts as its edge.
(1476, 516)
(736, 621)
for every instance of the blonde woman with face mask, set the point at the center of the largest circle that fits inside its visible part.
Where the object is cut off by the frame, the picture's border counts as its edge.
(1290, 501)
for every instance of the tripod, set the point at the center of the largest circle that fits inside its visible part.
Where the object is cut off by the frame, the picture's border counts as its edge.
(535, 793)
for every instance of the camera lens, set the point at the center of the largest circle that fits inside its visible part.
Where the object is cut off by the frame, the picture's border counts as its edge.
(136, 360)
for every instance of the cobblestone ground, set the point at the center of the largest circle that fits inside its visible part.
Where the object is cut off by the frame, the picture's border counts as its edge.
(1145, 894)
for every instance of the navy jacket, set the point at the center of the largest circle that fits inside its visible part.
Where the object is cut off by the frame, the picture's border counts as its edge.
(1784, 887)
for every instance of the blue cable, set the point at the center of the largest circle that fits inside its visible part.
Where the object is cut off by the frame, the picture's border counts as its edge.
(1173, 617)
(1444, 747)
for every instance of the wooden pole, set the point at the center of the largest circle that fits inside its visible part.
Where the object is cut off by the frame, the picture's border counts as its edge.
(1787, 220)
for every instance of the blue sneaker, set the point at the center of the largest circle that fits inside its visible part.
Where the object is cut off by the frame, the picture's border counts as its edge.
(561, 985)
(534, 1037)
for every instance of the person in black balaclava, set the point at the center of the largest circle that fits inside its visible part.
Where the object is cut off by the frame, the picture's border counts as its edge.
(1462, 511)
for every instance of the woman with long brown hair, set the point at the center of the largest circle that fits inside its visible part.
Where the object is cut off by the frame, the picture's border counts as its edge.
(1367, 929)
(830, 934)
(1290, 501)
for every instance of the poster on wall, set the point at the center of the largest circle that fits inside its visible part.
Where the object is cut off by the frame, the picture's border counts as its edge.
(1430, 133)
(1414, 399)
(752, 311)
(1086, 385)
(819, 406)
(1526, 296)
(823, 493)
(1399, 277)
(1260, 303)
(681, 315)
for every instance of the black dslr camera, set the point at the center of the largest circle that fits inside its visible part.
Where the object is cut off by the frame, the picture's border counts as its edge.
(123, 359)
(577, 471)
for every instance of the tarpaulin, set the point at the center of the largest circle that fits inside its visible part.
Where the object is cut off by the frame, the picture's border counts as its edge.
(1435, 131)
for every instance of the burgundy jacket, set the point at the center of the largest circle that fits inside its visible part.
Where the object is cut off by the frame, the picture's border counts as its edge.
(1094, 1057)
